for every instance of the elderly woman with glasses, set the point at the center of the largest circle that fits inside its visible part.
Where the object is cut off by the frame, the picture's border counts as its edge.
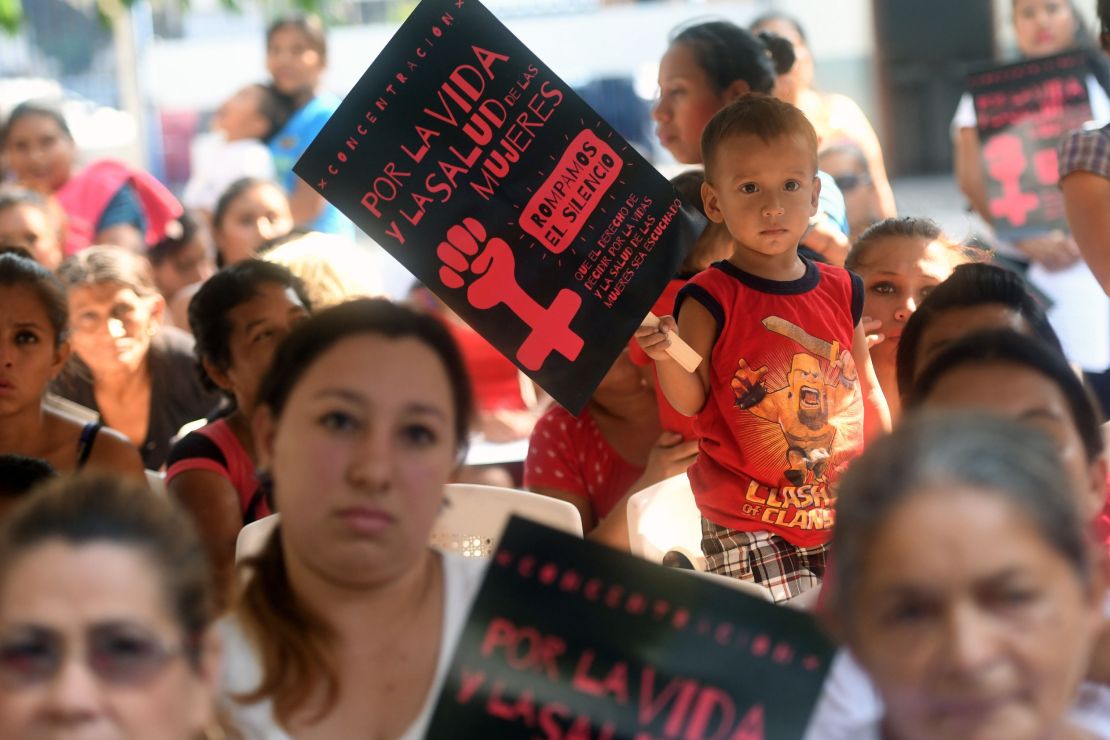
(105, 616)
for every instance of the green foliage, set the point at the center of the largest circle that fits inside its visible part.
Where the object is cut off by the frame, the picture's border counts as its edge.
(11, 11)
(11, 15)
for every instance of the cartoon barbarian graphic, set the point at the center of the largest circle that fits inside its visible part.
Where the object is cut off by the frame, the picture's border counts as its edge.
(801, 407)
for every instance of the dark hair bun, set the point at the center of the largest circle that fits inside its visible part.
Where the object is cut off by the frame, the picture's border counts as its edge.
(781, 51)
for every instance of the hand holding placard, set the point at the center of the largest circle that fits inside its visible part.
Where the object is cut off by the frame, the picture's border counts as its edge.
(678, 350)
(496, 283)
(468, 159)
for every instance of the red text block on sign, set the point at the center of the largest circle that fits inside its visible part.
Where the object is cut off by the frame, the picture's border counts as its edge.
(564, 202)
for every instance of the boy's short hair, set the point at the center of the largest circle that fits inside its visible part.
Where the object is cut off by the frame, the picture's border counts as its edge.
(755, 115)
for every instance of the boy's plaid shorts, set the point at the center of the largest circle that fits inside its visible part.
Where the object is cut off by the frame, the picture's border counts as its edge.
(784, 569)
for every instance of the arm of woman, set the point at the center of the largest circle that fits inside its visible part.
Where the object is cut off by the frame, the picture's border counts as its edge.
(969, 170)
(305, 203)
(213, 503)
(1087, 200)
(669, 456)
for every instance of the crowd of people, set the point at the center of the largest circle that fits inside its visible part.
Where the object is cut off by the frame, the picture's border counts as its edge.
(884, 417)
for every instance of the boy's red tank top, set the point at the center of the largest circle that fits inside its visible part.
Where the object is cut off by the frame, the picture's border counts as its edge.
(784, 413)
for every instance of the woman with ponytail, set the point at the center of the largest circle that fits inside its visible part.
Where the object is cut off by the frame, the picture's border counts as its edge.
(708, 65)
(348, 619)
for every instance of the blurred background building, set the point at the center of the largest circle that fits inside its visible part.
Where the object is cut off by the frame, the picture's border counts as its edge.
(142, 81)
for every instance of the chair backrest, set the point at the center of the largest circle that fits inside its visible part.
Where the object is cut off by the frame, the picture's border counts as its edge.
(474, 516)
(472, 519)
(253, 536)
(156, 482)
(663, 518)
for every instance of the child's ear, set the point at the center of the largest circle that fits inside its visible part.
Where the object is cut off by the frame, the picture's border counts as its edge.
(711, 203)
(816, 200)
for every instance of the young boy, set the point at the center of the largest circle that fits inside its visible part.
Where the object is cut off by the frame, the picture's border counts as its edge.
(781, 396)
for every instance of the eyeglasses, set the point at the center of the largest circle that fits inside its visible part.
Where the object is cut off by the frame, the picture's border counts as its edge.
(120, 654)
(851, 181)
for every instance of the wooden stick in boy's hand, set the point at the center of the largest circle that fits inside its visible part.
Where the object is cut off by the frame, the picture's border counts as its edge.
(678, 350)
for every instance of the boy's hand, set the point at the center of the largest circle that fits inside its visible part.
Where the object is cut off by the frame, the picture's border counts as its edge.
(654, 339)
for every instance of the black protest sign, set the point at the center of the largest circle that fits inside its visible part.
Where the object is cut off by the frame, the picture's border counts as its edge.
(571, 639)
(1023, 111)
(484, 174)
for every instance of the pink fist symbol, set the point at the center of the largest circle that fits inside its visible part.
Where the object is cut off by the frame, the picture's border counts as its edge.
(489, 276)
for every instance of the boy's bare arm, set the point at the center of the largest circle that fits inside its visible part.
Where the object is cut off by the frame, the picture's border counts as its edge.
(876, 413)
(685, 391)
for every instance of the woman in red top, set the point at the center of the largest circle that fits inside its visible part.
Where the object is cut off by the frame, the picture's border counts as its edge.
(611, 450)
(238, 318)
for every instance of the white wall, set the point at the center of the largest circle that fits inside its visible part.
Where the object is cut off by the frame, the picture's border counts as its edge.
(198, 72)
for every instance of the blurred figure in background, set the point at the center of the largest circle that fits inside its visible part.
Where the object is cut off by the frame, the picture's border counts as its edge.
(847, 165)
(183, 258)
(27, 221)
(237, 146)
(136, 373)
(332, 268)
(250, 213)
(296, 57)
(107, 202)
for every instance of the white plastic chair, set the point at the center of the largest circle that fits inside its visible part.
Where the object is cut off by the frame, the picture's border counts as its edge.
(748, 587)
(474, 516)
(472, 520)
(663, 518)
(156, 482)
(253, 536)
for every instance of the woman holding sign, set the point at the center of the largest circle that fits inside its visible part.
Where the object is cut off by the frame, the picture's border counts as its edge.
(978, 630)
(361, 421)
(1042, 28)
